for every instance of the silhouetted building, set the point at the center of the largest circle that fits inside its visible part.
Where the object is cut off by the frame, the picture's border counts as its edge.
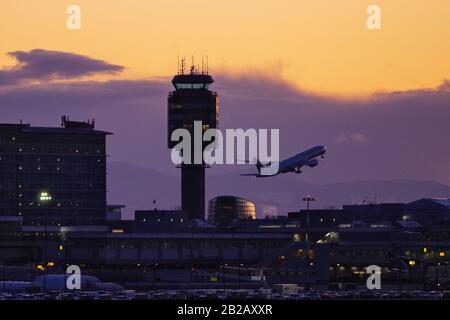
(320, 218)
(53, 176)
(156, 215)
(192, 101)
(151, 221)
(430, 212)
(374, 212)
(223, 210)
(114, 212)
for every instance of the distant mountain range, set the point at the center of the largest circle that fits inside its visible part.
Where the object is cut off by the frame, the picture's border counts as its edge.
(137, 187)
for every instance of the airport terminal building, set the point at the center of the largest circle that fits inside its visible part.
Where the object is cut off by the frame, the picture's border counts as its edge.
(53, 213)
(68, 164)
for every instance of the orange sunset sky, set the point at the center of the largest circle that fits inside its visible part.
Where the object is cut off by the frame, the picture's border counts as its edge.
(320, 46)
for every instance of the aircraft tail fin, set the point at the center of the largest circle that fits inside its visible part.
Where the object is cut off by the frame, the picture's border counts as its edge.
(258, 166)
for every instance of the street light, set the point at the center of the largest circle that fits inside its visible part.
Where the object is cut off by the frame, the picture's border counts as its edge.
(154, 275)
(4, 275)
(239, 275)
(223, 276)
(44, 198)
(307, 199)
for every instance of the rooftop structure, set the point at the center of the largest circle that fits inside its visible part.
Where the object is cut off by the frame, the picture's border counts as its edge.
(53, 176)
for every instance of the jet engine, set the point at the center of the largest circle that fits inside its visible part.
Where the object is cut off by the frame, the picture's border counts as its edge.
(313, 163)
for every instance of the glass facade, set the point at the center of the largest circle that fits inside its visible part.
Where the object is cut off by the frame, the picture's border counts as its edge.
(223, 210)
(67, 163)
(187, 106)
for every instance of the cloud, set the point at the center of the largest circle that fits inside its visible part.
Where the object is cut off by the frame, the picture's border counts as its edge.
(43, 65)
(357, 137)
(406, 129)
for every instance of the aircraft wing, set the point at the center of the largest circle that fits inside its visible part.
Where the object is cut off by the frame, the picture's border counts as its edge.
(249, 174)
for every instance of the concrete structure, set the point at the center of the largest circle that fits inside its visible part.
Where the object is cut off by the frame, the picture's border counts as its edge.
(192, 101)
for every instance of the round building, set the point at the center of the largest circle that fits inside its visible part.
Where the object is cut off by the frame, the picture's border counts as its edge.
(222, 210)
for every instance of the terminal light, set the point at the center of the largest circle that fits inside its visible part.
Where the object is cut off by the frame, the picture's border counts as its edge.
(412, 263)
(442, 254)
(50, 264)
(117, 230)
(61, 247)
(45, 196)
(40, 267)
(425, 250)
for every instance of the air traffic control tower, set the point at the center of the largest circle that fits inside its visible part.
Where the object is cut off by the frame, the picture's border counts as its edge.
(192, 101)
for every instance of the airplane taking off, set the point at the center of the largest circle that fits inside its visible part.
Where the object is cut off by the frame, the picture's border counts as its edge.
(294, 163)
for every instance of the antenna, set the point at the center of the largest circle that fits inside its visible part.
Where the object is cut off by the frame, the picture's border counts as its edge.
(178, 67)
(207, 65)
(194, 69)
(183, 61)
(203, 65)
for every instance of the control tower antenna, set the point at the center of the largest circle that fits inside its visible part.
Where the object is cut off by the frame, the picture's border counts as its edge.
(207, 65)
(183, 64)
(203, 65)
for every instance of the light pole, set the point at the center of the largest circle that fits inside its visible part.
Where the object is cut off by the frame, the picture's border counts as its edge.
(223, 276)
(337, 273)
(154, 275)
(136, 275)
(239, 275)
(4, 275)
(44, 198)
(436, 272)
(307, 199)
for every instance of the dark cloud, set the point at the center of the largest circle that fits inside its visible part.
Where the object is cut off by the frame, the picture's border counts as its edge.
(405, 133)
(44, 65)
